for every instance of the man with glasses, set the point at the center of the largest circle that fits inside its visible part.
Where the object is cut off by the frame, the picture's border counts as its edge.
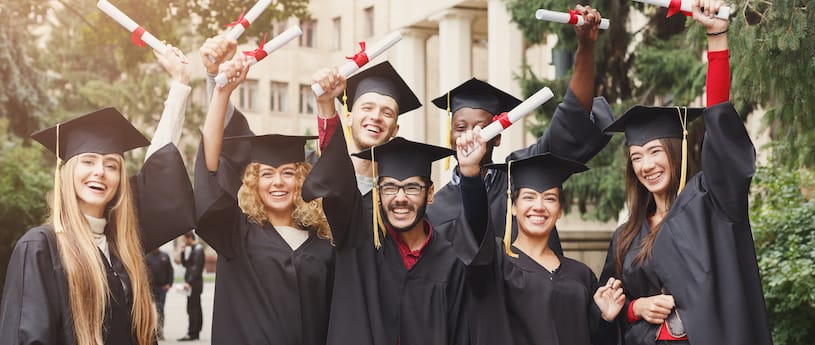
(396, 280)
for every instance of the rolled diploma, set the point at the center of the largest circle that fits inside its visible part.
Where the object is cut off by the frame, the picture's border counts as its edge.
(527, 106)
(350, 66)
(560, 17)
(130, 25)
(250, 16)
(275, 44)
(686, 5)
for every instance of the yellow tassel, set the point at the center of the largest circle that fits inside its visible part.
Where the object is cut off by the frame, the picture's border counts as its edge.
(684, 172)
(377, 216)
(346, 128)
(57, 208)
(508, 226)
(449, 120)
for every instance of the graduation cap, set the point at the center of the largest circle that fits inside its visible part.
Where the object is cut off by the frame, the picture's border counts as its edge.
(540, 173)
(275, 149)
(401, 159)
(103, 131)
(642, 124)
(384, 80)
(476, 94)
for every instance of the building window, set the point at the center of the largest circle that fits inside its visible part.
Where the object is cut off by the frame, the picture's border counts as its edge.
(336, 24)
(308, 103)
(278, 26)
(248, 93)
(279, 93)
(369, 21)
(309, 28)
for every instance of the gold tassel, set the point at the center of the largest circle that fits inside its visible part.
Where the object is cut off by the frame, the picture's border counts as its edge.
(57, 208)
(377, 216)
(684, 172)
(508, 227)
(346, 128)
(449, 120)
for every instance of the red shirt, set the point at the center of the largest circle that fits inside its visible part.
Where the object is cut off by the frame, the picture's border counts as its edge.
(325, 129)
(718, 77)
(410, 257)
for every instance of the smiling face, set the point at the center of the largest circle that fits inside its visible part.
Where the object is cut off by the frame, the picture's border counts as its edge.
(465, 119)
(373, 120)
(651, 165)
(404, 211)
(96, 181)
(537, 212)
(277, 187)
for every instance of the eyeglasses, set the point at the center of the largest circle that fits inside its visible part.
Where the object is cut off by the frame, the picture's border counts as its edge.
(393, 189)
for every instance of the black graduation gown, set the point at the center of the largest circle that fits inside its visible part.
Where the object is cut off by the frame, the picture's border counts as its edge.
(35, 307)
(517, 300)
(376, 300)
(573, 133)
(704, 254)
(265, 292)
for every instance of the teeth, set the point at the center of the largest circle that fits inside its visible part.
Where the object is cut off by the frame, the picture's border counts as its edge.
(279, 193)
(537, 218)
(653, 177)
(96, 186)
(401, 210)
(373, 129)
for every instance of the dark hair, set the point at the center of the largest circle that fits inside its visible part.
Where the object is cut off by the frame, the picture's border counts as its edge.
(641, 204)
(190, 235)
(561, 198)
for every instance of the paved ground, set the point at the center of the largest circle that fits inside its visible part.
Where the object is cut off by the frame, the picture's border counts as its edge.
(175, 311)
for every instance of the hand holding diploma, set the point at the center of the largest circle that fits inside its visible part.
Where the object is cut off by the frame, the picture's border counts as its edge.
(219, 49)
(361, 58)
(239, 26)
(264, 50)
(572, 17)
(505, 120)
(686, 7)
(139, 36)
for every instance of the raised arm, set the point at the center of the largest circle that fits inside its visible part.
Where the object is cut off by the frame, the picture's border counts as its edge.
(327, 120)
(213, 133)
(220, 50)
(171, 122)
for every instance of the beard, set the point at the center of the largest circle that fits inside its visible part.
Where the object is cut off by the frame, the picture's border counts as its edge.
(419, 216)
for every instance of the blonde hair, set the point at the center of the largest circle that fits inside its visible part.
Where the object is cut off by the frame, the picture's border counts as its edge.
(84, 268)
(307, 215)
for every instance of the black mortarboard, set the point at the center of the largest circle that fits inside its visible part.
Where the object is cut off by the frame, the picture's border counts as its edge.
(401, 158)
(642, 124)
(540, 172)
(477, 94)
(275, 149)
(384, 80)
(103, 131)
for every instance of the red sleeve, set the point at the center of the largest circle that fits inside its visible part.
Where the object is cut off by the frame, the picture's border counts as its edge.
(718, 77)
(631, 317)
(325, 129)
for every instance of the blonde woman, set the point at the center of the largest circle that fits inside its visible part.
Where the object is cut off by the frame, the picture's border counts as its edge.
(275, 258)
(81, 277)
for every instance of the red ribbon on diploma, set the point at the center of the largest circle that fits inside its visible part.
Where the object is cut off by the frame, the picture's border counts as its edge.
(258, 53)
(241, 20)
(503, 118)
(674, 7)
(136, 37)
(360, 58)
(572, 18)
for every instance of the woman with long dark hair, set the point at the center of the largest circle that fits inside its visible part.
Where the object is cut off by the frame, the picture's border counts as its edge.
(685, 255)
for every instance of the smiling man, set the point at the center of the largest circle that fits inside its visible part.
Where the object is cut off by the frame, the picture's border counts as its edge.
(396, 281)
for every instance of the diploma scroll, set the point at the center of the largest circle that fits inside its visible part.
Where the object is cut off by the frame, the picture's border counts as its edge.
(571, 17)
(361, 58)
(139, 35)
(507, 119)
(264, 50)
(240, 25)
(684, 6)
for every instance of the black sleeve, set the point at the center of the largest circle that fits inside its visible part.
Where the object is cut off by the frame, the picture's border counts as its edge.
(30, 311)
(168, 271)
(728, 160)
(163, 196)
(195, 265)
(573, 133)
(474, 202)
(332, 178)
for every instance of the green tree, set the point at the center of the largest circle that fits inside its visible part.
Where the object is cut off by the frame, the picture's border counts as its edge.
(784, 229)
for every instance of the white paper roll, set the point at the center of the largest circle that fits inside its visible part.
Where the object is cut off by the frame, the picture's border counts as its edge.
(269, 47)
(131, 25)
(687, 6)
(562, 17)
(526, 107)
(372, 52)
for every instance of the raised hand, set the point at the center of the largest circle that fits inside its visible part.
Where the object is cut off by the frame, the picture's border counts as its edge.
(475, 147)
(333, 83)
(219, 49)
(175, 63)
(610, 299)
(704, 12)
(235, 71)
(588, 32)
